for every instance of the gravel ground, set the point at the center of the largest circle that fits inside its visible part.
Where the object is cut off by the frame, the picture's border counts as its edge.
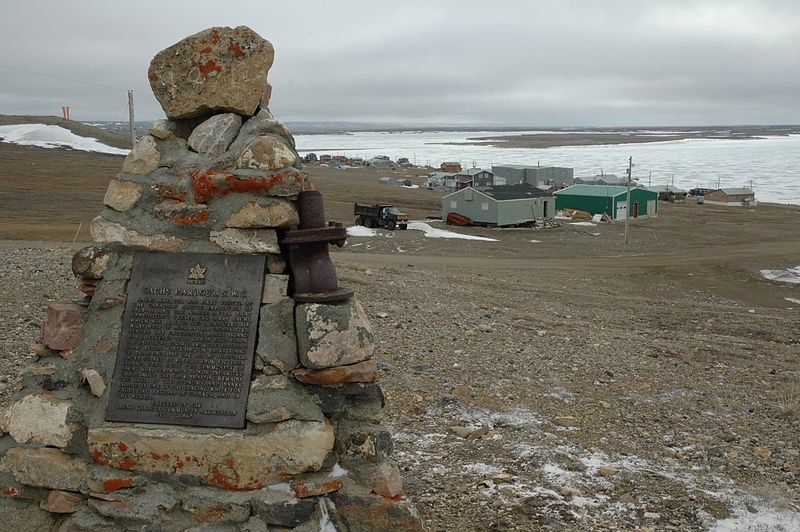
(547, 398)
(663, 408)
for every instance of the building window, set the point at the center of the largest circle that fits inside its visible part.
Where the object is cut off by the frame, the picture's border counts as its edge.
(485, 206)
(453, 204)
(468, 195)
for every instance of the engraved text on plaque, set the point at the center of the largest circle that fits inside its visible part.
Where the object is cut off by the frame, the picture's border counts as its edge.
(188, 338)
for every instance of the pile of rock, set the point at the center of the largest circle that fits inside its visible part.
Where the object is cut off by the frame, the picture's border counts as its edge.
(221, 175)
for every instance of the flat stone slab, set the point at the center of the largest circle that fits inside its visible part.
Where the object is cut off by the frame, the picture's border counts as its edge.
(45, 468)
(62, 326)
(234, 460)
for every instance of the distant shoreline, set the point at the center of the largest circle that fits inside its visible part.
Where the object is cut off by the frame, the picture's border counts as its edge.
(584, 138)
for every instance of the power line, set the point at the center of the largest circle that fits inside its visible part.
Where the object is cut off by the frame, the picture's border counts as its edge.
(61, 78)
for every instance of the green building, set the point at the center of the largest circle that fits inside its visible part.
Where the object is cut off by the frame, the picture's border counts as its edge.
(610, 200)
(500, 206)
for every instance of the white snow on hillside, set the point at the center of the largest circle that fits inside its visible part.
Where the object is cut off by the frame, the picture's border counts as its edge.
(430, 232)
(789, 275)
(53, 137)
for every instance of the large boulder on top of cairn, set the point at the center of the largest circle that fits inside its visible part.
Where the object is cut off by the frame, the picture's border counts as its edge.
(218, 69)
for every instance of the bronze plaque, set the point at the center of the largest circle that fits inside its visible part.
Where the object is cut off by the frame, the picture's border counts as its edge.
(188, 338)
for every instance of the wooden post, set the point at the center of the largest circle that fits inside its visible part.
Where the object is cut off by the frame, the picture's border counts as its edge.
(131, 119)
(628, 199)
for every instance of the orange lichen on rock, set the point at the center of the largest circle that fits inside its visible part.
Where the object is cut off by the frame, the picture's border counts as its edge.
(236, 49)
(10, 491)
(208, 67)
(170, 192)
(115, 484)
(190, 219)
(98, 458)
(205, 188)
(210, 184)
(303, 490)
(128, 463)
(252, 184)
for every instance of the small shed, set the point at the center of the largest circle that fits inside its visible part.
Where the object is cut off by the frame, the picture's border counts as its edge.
(736, 197)
(610, 200)
(500, 206)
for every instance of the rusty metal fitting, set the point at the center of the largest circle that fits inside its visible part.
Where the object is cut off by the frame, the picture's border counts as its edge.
(313, 270)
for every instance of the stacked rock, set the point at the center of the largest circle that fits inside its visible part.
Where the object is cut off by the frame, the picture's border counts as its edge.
(220, 175)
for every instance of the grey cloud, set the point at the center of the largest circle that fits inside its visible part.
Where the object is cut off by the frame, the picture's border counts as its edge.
(513, 62)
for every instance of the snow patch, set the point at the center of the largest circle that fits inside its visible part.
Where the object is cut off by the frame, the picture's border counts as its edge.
(430, 232)
(44, 136)
(587, 224)
(534, 241)
(556, 474)
(358, 230)
(338, 471)
(792, 300)
(518, 417)
(482, 469)
(283, 487)
(789, 275)
(766, 519)
(325, 523)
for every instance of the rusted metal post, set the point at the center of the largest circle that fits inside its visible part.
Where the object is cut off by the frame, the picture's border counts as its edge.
(313, 270)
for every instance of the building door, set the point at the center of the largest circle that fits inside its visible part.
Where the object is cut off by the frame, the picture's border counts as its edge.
(622, 210)
(652, 211)
(545, 213)
(635, 209)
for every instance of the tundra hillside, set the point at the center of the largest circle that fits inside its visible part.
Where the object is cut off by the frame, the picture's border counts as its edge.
(554, 379)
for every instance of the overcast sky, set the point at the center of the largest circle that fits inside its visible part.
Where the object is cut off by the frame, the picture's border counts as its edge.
(530, 63)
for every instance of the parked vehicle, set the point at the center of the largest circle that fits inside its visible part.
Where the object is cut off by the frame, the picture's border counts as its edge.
(380, 215)
(697, 192)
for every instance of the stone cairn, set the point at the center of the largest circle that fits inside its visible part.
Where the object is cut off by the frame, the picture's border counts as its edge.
(220, 176)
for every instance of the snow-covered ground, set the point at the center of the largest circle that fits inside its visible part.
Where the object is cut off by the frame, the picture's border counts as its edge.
(429, 231)
(45, 136)
(789, 275)
(359, 230)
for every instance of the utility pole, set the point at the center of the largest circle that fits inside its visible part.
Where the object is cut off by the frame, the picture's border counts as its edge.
(628, 199)
(131, 119)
